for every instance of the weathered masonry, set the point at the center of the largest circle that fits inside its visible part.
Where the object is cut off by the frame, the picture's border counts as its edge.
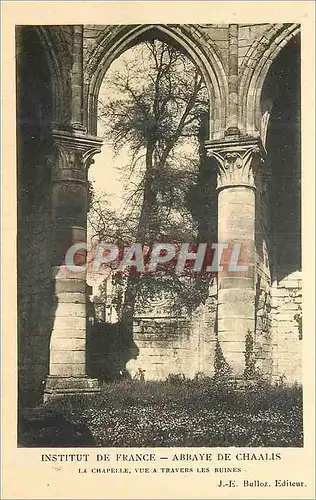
(253, 77)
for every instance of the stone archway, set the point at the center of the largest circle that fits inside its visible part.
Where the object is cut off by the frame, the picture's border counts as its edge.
(77, 58)
(111, 44)
(253, 72)
(271, 112)
(173, 325)
(281, 90)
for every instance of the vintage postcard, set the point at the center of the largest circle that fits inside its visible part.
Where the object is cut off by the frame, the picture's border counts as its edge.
(158, 250)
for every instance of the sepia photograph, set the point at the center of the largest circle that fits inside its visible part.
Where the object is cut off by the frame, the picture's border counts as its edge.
(159, 275)
(158, 256)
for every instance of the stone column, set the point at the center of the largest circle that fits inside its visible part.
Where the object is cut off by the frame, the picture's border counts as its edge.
(236, 165)
(232, 118)
(72, 157)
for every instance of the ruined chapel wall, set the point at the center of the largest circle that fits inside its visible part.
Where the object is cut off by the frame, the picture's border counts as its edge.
(287, 334)
(176, 345)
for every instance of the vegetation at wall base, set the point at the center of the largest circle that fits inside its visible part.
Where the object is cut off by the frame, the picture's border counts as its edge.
(180, 412)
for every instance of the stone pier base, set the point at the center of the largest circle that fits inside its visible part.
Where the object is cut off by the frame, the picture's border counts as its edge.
(62, 386)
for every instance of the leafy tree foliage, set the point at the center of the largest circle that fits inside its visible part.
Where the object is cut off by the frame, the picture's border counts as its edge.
(156, 110)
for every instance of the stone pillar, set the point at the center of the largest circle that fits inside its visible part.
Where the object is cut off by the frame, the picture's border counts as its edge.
(67, 369)
(236, 164)
(232, 118)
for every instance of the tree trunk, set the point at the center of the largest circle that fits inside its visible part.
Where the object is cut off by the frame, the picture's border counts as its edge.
(145, 234)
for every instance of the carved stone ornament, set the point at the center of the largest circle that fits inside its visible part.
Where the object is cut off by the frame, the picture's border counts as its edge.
(73, 155)
(237, 161)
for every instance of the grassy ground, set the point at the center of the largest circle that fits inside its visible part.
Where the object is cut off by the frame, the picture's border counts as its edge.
(187, 413)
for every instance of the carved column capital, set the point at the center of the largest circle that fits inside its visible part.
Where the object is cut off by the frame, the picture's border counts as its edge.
(73, 155)
(237, 161)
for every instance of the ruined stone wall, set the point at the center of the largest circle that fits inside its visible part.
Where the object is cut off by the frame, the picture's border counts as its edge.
(286, 328)
(263, 244)
(35, 300)
(34, 238)
(57, 90)
(278, 336)
(176, 345)
(164, 347)
(204, 326)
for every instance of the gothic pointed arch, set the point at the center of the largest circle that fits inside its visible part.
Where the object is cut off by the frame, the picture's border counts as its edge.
(253, 72)
(113, 41)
